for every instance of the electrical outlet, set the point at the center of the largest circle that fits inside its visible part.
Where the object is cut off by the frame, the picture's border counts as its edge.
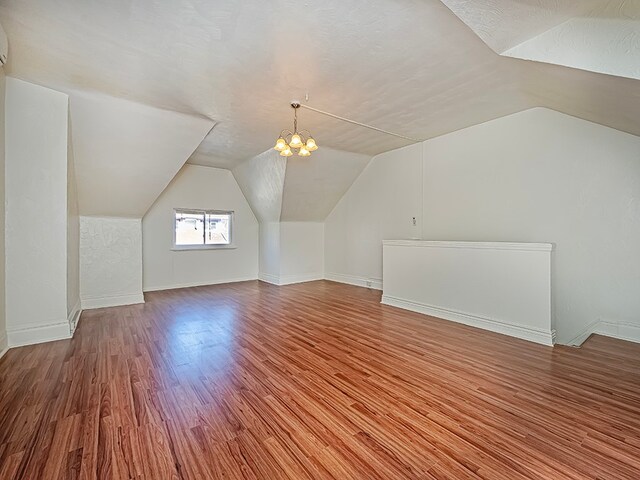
(368, 283)
(414, 221)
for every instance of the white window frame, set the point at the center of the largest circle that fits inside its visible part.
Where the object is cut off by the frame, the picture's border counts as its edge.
(199, 246)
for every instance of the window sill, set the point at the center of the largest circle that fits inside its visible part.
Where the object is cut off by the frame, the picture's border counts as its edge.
(185, 248)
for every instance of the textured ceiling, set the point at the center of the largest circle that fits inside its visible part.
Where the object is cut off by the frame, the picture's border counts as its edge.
(297, 189)
(125, 153)
(409, 66)
(597, 35)
(503, 24)
(314, 185)
(261, 179)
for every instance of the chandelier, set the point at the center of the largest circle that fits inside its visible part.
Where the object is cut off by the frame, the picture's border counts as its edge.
(296, 140)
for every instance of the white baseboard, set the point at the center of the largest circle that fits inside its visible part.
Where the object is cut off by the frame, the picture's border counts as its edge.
(305, 277)
(525, 333)
(374, 283)
(269, 278)
(4, 344)
(31, 335)
(89, 303)
(609, 328)
(74, 317)
(289, 279)
(38, 334)
(198, 284)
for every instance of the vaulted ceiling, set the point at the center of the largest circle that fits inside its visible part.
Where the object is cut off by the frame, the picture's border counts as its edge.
(596, 35)
(125, 153)
(416, 67)
(297, 189)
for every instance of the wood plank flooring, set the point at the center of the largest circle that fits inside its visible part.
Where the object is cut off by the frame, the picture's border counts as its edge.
(316, 380)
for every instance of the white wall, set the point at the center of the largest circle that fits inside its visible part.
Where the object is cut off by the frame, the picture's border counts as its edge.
(269, 252)
(536, 176)
(73, 238)
(380, 205)
(36, 213)
(110, 261)
(3, 324)
(199, 188)
(291, 252)
(544, 176)
(301, 252)
(291, 197)
(503, 287)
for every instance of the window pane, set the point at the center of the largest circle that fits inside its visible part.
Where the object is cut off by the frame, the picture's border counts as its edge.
(218, 229)
(189, 228)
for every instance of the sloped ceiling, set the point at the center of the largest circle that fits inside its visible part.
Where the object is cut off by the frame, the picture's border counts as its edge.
(261, 179)
(595, 35)
(502, 24)
(125, 153)
(314, 185)
(297, 189)
(409, 66)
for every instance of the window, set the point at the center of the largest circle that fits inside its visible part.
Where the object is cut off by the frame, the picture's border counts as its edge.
(202, 229)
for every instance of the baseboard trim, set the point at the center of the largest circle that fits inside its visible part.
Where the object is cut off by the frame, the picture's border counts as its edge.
(542, 337)
(609, 328)
(89, 303)
(74, 317)
(4, 344)
(307, 277)
(38, 334)
(281, 280)
(198, 284)
(269, 278)
(374, 283)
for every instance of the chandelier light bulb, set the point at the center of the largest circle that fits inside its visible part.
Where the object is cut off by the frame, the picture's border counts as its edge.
(304, 152)
(286, 152)
(312, 146)
(296, 141)
(281, 144)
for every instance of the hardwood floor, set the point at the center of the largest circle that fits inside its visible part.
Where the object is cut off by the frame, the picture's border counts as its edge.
(315, 380)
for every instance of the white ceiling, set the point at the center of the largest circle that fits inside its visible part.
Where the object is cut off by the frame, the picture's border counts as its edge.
(297, 189)
(125, 153)
(261, 179)
(503, 24)
(314, 185)
(409, 66)
(607, 40)
(596, 35)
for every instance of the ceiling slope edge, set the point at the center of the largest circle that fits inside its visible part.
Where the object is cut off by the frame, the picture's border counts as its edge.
(601, 36)
(298, 189)
(126, 153)
(314, 185)
(261, 179)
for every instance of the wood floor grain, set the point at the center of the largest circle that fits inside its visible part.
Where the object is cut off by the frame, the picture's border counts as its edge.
(317, 380)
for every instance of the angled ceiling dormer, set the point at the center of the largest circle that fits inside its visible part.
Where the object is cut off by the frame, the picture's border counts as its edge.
(298, 189)
(314, 185)
(126, 153)
(261, 179)
(600, 36)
